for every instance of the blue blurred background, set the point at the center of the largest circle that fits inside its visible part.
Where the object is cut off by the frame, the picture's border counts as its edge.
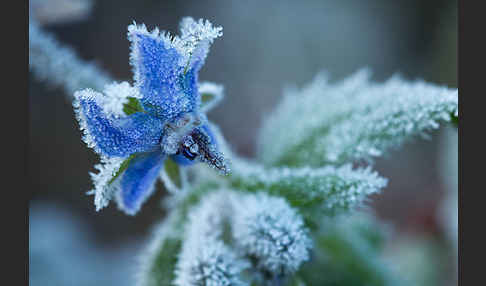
(266, 46)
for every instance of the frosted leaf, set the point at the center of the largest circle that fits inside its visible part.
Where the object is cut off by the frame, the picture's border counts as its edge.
(351, 120)
(212, 90)
(59, 65)
(103, 191)
(205, 259)
(327, 189)
(268, 229)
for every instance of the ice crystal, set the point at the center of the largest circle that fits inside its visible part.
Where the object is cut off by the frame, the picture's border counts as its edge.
(330, 189)
(103, 192)
(196, 36)
(268, 229)
(117, 95)
(205, 259)
(59, 65)
(351, 120)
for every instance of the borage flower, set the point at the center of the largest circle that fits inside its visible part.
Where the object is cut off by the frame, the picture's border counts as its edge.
(136, 128)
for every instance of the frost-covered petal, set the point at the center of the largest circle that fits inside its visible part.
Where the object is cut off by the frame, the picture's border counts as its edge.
(138, 180)
(110, 136)
(196, 38)
(167, 91)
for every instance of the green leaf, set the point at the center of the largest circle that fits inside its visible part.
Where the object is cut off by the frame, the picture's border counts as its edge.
(132, 106)
(123, 167)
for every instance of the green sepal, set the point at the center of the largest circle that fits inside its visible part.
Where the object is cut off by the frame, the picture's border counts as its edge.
(173, 172)
(206, 97)
(122, 168)
(132, 106)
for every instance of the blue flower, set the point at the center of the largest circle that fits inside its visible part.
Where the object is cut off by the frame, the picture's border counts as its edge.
(136, 128)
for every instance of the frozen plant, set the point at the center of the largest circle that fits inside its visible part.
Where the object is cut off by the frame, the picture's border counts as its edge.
(288, 216)
(157, 118)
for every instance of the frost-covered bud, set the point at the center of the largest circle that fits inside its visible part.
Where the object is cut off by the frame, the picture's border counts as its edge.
(205, 259)
(268, 229)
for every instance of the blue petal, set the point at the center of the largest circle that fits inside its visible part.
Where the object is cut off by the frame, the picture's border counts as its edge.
(113, 137)
(199, 55)
(168, 92)
(184, 161)
(138, 181)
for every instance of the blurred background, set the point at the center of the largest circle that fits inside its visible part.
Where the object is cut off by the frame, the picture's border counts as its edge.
(266, 46)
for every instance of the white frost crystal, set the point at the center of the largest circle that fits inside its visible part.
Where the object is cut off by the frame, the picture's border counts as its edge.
(115, 96)
(103, 192)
